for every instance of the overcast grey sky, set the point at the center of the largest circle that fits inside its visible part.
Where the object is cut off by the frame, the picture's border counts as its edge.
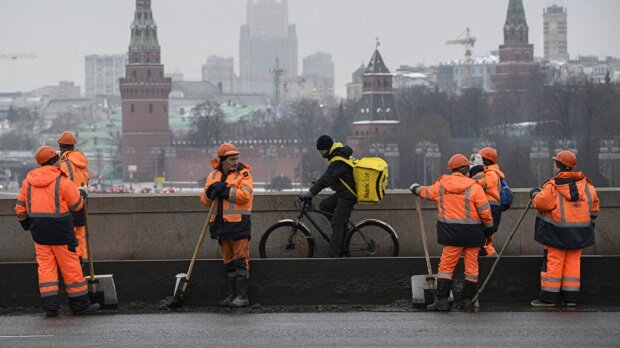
(62, 32)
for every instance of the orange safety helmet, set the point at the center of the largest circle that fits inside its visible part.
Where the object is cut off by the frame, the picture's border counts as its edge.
(226, 150)
(489, 154)
(458, 161)
(567, 158)
(66, 138)
(45, 153)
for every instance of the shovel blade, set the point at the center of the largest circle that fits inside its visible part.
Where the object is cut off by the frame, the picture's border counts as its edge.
(102, 290)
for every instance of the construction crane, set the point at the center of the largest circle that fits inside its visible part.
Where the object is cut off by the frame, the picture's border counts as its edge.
(17, 56)
(468, 41)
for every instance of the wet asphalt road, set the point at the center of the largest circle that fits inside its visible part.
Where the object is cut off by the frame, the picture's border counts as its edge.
(353, 329)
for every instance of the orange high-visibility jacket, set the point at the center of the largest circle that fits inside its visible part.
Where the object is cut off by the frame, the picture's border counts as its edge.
(47, 199)
(490, 180)
(463, 211)
(74, 165)
(567, 206)
(231, 218)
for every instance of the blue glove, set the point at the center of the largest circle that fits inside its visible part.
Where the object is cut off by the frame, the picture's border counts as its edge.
(534, 192)
(83, 192)
(305, 196)
(414, 188)
(215, 189)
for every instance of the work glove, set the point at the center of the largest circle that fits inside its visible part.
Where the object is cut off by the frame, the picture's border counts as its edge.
(305, 196)
(225, 192)
(83, 191)
(414, 188)
(25, 224)
(534, 192)
(215, 189)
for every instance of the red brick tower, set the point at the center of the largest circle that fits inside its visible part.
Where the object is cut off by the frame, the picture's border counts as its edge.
(516, 69)
(144, 91)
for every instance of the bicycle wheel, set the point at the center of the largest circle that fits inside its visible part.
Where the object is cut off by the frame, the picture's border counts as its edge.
(371, 238)
(286, 239)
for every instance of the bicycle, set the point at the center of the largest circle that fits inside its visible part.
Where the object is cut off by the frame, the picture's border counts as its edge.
(291, 238)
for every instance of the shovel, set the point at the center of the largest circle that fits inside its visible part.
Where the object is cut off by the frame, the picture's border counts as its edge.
(430, 286)
(182, 279)
(101, 288)
(499, 256)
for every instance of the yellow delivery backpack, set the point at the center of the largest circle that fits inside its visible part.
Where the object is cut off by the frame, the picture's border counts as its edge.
(371, 178)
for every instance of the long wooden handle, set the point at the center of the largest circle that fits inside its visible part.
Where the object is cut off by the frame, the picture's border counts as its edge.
(499, 256)
(423, 232)
(201, 238)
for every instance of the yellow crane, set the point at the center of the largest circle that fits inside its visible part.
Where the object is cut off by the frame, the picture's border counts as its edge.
(18, 56)
(468, 41)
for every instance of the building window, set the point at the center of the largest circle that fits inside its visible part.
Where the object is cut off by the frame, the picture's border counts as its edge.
(151, 108)
(132, 108)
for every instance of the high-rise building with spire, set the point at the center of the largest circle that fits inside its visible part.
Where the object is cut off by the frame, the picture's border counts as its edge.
(555, 33)
(516, 67)
(267, 36)
(144, 93)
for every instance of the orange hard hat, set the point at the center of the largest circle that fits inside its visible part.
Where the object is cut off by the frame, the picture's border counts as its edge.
(458, 161)
(489, 154)
(45, 153)
(67, 138)
(567, 158)
(227, 149)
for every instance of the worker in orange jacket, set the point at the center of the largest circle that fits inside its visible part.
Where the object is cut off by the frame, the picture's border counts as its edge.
(230, 187)
(44, 206)
(463, 216)
(489, 176)
(74, 165)
(567, 208)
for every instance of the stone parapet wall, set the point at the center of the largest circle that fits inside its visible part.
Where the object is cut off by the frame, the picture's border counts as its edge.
(165, 227)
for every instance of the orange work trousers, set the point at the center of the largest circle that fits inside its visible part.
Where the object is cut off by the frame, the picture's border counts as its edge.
(236, 257)
(560, 274)
(49, 259)
(450, 257)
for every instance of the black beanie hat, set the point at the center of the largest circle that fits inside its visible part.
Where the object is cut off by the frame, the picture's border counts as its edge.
(324, 142)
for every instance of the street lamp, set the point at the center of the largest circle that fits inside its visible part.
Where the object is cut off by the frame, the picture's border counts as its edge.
(431, 157)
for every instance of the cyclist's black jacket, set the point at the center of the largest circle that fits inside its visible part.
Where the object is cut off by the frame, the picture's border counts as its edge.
(335, 171)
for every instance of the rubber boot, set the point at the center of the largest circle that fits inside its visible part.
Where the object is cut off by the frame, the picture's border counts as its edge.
(241, 300)
(231, 288)
(443, 291)
(469, 290)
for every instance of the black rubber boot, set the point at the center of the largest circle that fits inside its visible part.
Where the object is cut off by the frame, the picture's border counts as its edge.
(443, 291)
(241, 300)
(231, 288)
(469, 291)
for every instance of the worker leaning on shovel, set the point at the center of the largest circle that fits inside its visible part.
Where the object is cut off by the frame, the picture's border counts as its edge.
(230, 187)
(463, 218)
(44, 206)
(74, 165)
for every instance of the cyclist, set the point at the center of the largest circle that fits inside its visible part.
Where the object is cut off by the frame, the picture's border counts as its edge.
(340, 204)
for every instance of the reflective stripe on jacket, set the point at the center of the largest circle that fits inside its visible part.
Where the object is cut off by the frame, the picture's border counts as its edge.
(74, 165)
(463, 211)
(490, 180)
(567, 206)
(47, 199)
(231, 217)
